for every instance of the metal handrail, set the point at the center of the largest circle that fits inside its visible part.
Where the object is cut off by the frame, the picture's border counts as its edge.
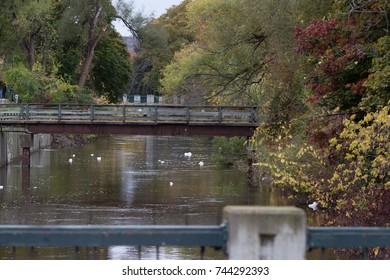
(107, 235)
(347, 237)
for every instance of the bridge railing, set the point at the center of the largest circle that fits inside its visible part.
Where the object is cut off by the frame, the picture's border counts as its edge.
(280, 236)
(97, 236)
(128, 113)
(361, 238)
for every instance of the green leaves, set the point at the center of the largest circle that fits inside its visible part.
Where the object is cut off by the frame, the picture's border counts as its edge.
(228, 56)
(229, 151)
(112, 68)
(36, 86)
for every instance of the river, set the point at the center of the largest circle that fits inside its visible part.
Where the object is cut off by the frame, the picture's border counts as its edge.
(126, 181)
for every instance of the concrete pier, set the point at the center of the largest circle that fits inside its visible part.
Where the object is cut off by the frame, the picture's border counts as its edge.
(3, 150)
(26, 142)
(266, 233)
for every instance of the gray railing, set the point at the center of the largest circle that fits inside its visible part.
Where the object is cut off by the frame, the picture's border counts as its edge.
(95, 236)
(203, 237)
(362, 238)
(128, 113)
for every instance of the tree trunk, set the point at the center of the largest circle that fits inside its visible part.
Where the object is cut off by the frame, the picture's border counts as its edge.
(91, 45)
(87, 65)
(29, 48)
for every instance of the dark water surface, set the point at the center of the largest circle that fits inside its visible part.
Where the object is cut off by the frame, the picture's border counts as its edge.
(130, 185)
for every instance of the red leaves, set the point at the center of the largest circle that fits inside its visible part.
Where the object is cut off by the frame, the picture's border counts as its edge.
(357, 88)
(335, 49)
(317, 36)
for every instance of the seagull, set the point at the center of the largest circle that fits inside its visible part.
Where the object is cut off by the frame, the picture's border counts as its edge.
(201, 163)
(73, 155)
(1, 187)
(92, 155)
(170, 184)
(99, 158)
(70, 161)
(313, 206)
(189, 154)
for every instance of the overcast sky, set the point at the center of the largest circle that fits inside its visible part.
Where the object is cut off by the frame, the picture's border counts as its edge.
(148, 7)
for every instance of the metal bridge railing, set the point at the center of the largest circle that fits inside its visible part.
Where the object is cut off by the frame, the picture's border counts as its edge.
(187, 236)
(95, 236)
(363, 238)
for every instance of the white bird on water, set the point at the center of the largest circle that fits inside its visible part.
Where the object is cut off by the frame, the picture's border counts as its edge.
(189, 154)
(1, 187)
(70, 160)
(99, 158)
(313, 206)
(201, 163)
(170, 184)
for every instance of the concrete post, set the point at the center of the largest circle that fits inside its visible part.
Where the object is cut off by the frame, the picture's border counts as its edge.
(3, 149)
(266, 233)
(26, 143)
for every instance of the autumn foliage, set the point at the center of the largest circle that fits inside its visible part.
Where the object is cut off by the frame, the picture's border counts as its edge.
(341, 158)
(336, 49)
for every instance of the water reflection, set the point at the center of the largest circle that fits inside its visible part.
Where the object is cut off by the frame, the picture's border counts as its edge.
(128, 186)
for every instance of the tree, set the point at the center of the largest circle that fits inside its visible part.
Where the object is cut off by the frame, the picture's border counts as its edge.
(25, 23)
(341, 53)
(281, 96)
(175, 22)
(161, 38)
(225, 61)
(112, 68)
(340, 158)
(89, 20)
(151, 55)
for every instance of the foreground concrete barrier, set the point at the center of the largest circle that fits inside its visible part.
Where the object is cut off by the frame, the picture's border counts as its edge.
(266, 233)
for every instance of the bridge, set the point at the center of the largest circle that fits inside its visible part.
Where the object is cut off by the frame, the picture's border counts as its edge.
(170, 120)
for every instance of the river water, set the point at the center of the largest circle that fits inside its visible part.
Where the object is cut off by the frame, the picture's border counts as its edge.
(129, 185)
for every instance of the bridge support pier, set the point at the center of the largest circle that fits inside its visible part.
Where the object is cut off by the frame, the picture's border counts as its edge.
(3, 149)
(26, 142)
(266, 233)
(253, 183)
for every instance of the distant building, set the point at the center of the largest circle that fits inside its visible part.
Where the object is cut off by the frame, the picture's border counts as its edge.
(142, 98)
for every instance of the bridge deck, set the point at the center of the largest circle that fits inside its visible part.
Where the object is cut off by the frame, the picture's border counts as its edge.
(130, 119)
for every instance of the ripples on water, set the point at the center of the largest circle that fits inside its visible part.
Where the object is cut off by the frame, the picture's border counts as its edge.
(129, 186)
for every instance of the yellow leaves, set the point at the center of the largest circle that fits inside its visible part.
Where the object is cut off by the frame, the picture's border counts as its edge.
(353, 145)
(363, 170)
(349, 156)
(376, 251)
(368, 118)
(333, 142)
(335, 177)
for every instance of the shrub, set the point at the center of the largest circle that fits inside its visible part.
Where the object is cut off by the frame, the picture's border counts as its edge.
(228, 151)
